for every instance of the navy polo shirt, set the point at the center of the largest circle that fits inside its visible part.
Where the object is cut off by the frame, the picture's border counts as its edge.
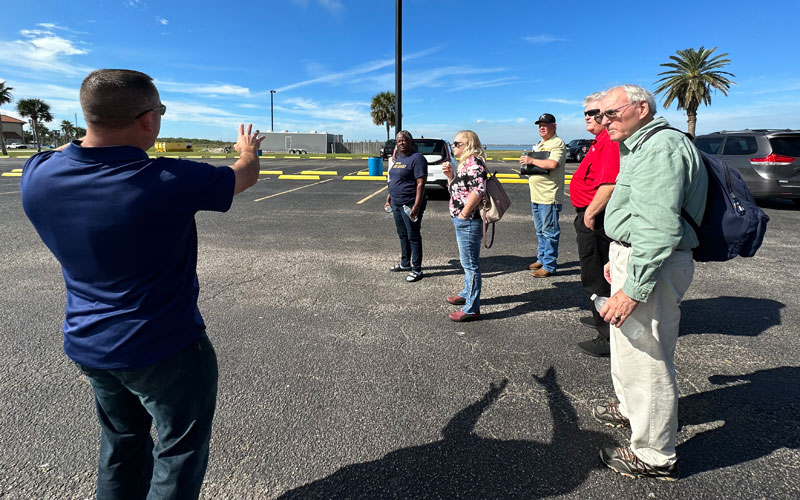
(122, 226)
(403, 178)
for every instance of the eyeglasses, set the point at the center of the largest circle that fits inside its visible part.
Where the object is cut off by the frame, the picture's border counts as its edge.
(457, 144)
(611, 114)
(591, 112)
(161, 109)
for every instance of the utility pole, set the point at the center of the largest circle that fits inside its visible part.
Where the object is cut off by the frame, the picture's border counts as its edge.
(398, 66)
(271, 116)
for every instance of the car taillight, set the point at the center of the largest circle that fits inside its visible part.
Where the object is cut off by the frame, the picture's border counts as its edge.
(772, 159)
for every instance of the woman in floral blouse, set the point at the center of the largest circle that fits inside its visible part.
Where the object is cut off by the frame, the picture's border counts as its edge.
(467, 187)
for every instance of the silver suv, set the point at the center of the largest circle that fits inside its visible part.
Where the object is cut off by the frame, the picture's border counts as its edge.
(769, 160)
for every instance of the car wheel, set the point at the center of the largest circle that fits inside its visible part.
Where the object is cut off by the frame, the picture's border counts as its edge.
(796, 201)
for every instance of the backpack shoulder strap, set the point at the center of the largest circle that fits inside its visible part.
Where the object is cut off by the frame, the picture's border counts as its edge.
(684, 213)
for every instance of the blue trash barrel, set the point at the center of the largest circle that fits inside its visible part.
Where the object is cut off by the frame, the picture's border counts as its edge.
(259, 152)
(375, 165)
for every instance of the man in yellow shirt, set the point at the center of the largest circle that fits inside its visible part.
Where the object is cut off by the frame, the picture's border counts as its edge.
(547, 190)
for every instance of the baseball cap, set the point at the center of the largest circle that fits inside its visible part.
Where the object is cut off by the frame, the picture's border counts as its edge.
(546, 118)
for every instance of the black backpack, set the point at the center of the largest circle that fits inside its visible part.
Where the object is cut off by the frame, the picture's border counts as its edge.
(732, 224)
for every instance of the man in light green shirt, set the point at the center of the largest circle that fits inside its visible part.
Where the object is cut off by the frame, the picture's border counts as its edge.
(547, 191)
(650, 268)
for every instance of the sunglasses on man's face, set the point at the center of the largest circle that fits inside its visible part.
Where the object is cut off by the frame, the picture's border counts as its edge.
(611, 114)
(591, 112)
(161, 109)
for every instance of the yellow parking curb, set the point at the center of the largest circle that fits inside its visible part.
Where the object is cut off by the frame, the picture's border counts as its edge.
(299, 177)
(11, 174)
(364, 178)
(16, 170)
(507, 176)
(273, 157)
(319, 172)
(270, 172)
(217, 156)
(317, 158)
(367, 173)
(517, 158)
(195, 156)
(513, 181)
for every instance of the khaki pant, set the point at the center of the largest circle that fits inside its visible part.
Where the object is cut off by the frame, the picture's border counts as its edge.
(643, 370)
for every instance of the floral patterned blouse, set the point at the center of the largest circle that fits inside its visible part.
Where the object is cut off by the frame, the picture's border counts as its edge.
(470, 177)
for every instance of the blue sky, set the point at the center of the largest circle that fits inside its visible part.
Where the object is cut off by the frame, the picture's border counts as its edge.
(492, 67)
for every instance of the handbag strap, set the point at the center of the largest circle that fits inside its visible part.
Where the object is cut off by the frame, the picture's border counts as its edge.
(491, 242)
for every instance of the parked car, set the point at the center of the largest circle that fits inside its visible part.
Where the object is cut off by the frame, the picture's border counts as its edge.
(388, 148)
(15, 145)
(436, 151)
(767, 159)
(578, 148)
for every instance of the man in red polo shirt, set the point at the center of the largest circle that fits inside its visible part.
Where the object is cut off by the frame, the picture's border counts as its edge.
(589, 191)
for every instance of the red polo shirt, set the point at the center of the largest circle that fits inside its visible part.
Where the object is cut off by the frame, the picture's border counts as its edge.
(599, 166)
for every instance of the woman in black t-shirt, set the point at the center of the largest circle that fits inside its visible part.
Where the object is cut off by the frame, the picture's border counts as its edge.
(407, 200)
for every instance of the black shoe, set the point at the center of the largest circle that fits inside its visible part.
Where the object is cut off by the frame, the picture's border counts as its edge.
(598, 348)
(608, 414)
(589, 321)
(623, 460)
(399, 267)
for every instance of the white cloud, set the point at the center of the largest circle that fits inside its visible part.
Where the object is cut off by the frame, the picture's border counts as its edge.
(543, 39)
(483, 84)
(346, 76)
(42, 51)
(136, 4)
(203, 88)
(162, 21)
(334, 6)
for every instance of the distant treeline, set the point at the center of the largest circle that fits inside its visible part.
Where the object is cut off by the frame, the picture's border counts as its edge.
(197, 143)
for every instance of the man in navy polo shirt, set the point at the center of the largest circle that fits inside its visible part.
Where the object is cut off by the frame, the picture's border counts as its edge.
(122, 226)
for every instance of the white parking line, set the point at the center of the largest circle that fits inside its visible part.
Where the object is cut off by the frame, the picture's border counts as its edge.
(295, 189)
(384, 188)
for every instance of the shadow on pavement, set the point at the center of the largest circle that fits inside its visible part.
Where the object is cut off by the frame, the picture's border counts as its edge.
(743, 316)
(465, 465)
(761, 414)
(496, 265)
(562, 295)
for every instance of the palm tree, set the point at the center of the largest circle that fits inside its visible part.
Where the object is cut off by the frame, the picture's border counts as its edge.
(382, 107)
(39, 112)
(691, 79)
(68, 129)
(5, 98)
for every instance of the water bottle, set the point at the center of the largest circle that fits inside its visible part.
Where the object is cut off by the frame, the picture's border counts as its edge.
(407, 210)
(387, 209)
(631, 328)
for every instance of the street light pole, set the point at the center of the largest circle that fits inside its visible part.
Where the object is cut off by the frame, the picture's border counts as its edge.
(271, 116)
(398, 66)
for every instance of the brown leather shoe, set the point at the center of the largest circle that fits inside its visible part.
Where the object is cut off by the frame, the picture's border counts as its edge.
(542, 273)
(536, 265)
(461, 316)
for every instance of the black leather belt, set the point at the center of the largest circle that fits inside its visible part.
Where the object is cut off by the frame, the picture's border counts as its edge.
(626, 245)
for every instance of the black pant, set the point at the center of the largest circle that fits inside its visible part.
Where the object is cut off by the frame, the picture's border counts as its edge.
(593, 254)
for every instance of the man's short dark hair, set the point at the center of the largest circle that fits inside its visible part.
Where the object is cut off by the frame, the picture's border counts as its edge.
(111, 98)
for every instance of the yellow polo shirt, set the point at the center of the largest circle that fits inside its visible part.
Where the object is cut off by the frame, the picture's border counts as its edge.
(549, 189)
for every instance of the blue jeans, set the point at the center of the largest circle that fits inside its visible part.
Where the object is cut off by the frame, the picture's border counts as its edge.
(178, 397)
(410, 236)
(468, 235)
(545, 220)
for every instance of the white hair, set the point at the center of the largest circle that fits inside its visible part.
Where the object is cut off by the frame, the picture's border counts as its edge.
(593, 97)
(636, 94)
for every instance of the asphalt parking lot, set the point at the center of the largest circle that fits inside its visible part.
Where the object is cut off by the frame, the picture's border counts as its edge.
(340, 380)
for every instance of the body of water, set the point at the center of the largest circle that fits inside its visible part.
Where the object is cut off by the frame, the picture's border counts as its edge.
(508, 147)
